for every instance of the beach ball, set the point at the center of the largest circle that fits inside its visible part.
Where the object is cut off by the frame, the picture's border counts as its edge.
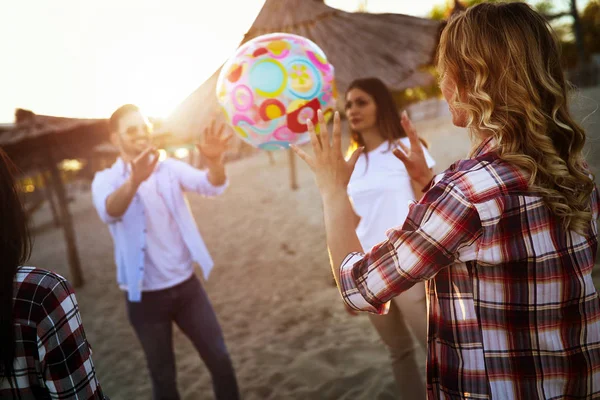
(272, 85)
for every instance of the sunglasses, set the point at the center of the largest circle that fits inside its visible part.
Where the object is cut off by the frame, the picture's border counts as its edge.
(137, 130)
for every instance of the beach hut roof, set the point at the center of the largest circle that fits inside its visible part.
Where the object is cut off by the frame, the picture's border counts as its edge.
(40, 142)
(389, 46)
(33, 137)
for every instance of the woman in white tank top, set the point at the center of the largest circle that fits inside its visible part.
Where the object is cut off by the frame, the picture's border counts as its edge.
(380, 190)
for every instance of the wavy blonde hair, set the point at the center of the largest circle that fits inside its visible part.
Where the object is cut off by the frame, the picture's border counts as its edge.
(505, 61)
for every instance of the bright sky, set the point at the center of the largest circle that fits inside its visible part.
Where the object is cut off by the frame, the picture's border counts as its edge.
(83, 58)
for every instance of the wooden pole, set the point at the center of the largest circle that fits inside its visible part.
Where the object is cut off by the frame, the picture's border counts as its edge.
(67, 222)
(50, 198)
(192, 159)
(578, 32)
(293, 175)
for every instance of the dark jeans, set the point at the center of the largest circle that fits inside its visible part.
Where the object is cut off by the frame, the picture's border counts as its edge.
(189, 307)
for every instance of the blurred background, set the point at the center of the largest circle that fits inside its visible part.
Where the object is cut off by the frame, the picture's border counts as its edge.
(69, 64)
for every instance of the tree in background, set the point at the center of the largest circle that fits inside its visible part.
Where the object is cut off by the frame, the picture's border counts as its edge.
(590, 21)
(578, 33)
(579, 36)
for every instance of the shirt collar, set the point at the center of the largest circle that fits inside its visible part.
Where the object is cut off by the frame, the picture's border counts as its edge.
(486, 146)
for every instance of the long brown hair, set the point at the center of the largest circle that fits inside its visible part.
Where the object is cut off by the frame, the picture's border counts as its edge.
(15, 247)
(505, 61)
(388, 119)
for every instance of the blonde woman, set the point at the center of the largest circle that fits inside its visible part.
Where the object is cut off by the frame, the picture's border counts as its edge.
(505, 240)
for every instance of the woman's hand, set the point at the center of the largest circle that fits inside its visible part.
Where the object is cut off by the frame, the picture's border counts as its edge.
(332, 172)
(413, 158)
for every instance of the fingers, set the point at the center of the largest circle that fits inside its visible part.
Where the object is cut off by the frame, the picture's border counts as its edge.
(400, 155)
(211, 131)
(204, 135)
(143, 165)
(208, 156)
(226, 138)
(337, 134)
(144, 154)
(305, 157)
(405, 149)
(314, 140)
(200, 147)
(354, 157)
(154, 161)
(323, 132)
(411, 132)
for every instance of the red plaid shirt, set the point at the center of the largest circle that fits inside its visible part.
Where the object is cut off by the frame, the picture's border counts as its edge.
(53, 358)
(513, 312)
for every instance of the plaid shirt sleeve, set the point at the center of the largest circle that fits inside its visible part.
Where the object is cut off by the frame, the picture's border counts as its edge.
(442, 227)
(64, 352)
(595, 206)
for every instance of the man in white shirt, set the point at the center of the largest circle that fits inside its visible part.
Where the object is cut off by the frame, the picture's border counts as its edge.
(157, 242)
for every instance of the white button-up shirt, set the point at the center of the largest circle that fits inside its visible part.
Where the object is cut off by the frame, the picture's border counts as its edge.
(173, 177)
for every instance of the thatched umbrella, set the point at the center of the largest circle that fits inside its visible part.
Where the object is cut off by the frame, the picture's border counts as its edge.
(40, 142)
(389, 46)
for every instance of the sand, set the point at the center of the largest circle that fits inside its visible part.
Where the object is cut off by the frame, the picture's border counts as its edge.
(283, 321)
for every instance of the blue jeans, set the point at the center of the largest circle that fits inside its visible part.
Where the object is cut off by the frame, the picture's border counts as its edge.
(188, 306)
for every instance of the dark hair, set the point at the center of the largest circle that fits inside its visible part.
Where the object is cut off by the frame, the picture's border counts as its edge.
(388, 118)
(113, 122)
(15, 248)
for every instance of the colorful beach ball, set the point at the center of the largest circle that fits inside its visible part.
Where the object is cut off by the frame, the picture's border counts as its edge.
(272, 85)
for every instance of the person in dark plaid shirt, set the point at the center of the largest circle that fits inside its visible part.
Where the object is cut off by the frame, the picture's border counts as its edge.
(44, 353)
(505, 240)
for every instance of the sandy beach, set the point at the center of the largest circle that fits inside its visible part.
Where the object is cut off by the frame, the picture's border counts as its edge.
(283, 321)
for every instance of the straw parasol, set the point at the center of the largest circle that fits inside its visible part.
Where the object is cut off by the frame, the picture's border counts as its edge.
(40, 142)
(389, 46)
